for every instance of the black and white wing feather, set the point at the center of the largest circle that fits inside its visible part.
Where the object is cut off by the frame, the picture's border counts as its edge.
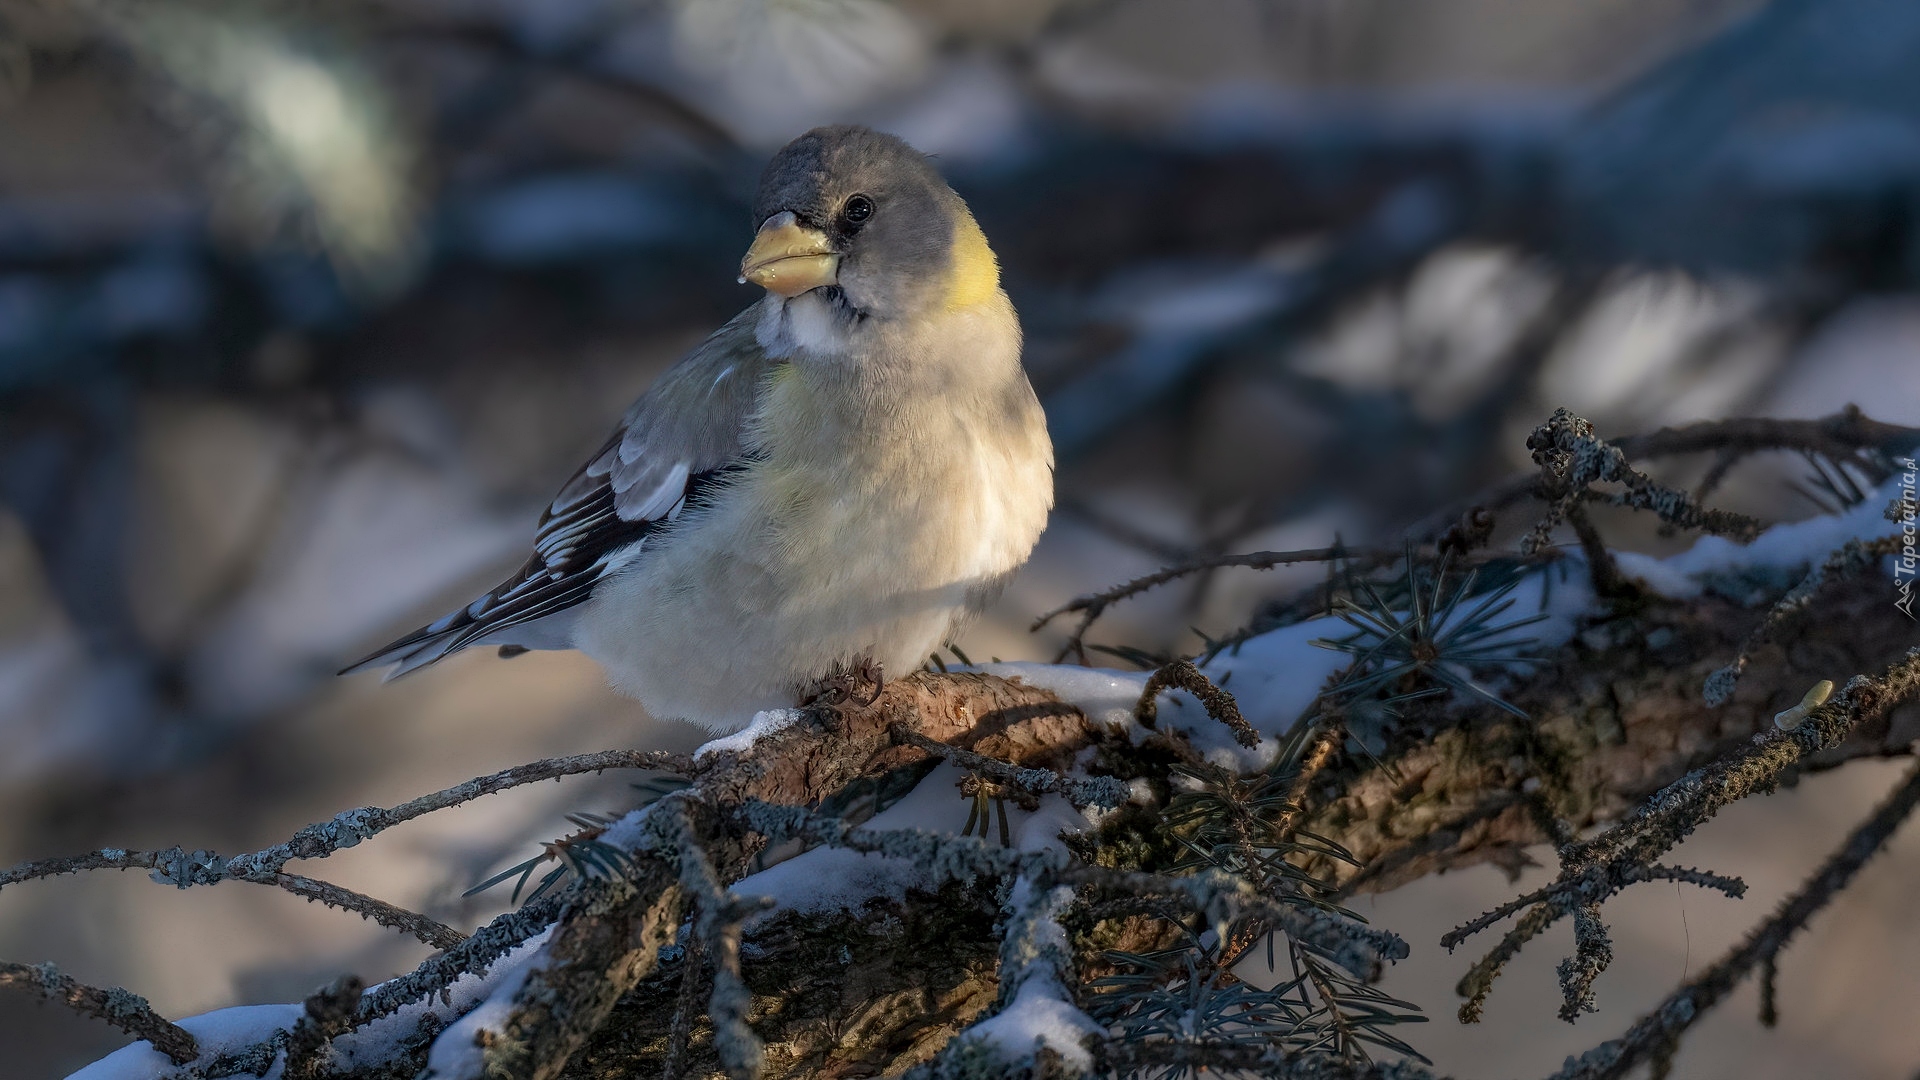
(673, 450)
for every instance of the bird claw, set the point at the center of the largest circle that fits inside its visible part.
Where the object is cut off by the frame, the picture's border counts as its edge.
(841, 684)
(870, 669)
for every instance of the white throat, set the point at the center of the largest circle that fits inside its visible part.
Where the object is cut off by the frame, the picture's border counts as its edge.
(804, 323)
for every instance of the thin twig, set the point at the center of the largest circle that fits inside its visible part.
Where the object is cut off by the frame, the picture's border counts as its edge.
(1123, 531)
(718, 919)
(1091, 607)
(1851, 559)
(1770, 991)
(1182, 675)
(1093, 791)
(1839, 436)
(435, 933)
(1664, 1024)
(1594, 869)
(182, 868)
(122, 1008)
(1602, 572)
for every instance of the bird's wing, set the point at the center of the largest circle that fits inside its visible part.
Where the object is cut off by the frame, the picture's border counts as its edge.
(684, 436)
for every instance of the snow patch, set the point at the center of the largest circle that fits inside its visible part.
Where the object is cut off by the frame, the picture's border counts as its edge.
(1039, 1016)
(1107, 697)
(828, 878)
(1042, 828)
(1563, 592)
(222, 1031)
(1793, 545)
(457, 1053)
(764, 723)
(630, 833)
(1275, 676)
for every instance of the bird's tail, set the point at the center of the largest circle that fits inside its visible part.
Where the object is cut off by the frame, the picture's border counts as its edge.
(414, 651)
(470, 626)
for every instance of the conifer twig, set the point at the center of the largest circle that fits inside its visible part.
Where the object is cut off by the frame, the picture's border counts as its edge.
(179, 867)
(1572, 890)
(717, 919)
(472, 956)
(685, 1008)
(1663, 1025)
(1162, 1057)
(1093, 791)
(1594, 869)
(1592, 952)
(1221, 897)
(433, 932)
(1680, 807)
(1315, 758)
(1220, 706)
(1572, 459)
(123, 1009)
(1842, 436)
(328, 1013)
(1092, 606)
(1851, 559)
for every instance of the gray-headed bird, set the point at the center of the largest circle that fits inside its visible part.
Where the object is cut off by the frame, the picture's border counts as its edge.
(843, 474)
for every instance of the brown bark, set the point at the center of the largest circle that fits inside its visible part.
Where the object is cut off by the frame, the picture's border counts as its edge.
(1610, 725)
(846, 740)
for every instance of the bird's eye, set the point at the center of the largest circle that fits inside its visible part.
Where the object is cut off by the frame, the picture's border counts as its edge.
(857, 211)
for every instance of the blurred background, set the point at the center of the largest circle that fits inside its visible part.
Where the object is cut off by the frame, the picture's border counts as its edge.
(307, 308)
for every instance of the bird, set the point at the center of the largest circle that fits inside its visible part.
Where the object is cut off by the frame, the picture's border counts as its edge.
(839, 478)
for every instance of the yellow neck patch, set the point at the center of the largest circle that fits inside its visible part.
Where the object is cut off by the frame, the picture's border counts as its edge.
(975, 273)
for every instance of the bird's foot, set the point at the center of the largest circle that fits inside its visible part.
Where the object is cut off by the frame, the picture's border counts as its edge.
(869, 670)
(845, 684)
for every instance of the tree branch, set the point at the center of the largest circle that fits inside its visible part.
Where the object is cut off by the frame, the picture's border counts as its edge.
(125, 1010)
(1092, 606)
(1660, 1029)
(435, 933)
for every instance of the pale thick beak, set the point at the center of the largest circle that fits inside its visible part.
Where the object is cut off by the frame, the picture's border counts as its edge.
(788, 259)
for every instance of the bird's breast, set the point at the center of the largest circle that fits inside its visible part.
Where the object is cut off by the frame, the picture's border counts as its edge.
(933, 496)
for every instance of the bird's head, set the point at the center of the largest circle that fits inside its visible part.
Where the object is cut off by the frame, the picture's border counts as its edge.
(865, 218)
